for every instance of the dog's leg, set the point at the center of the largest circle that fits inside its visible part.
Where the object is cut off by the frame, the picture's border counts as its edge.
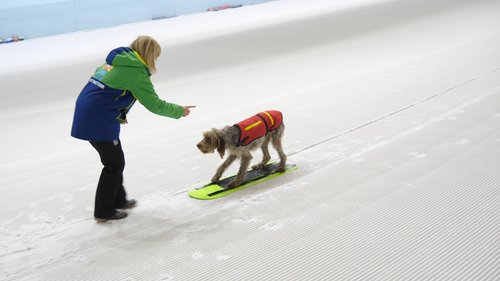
(222, 168)
(277, 145)
(240, 177)
(266, 156)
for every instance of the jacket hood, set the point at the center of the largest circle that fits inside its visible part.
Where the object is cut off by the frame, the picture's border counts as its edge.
(125, 56)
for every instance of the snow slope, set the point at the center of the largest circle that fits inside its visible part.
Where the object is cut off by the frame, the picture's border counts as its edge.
(391, 112)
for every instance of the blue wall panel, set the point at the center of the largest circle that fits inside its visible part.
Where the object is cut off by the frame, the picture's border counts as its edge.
(37, 18)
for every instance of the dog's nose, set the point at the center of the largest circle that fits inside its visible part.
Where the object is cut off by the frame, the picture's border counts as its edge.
(198, 145)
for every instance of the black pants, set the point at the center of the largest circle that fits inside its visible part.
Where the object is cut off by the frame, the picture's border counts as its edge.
(110, 193)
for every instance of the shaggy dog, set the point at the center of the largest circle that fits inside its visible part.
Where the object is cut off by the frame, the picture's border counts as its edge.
(244, 137)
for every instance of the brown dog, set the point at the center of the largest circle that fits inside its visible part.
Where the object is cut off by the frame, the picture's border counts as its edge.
(244, 137)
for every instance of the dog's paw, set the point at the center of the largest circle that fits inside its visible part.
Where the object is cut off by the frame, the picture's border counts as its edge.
(281, 169)
(259, 166)
(232, 185)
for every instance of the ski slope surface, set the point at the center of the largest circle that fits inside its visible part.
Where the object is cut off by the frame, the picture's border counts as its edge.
(392, 113)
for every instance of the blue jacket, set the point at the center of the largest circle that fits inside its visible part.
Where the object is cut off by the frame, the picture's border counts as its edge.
(110, 93)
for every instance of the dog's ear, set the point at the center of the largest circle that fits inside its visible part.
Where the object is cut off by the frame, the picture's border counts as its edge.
(221, 147)
(219, 143)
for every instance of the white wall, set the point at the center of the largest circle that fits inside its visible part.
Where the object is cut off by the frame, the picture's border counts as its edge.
(37, 18)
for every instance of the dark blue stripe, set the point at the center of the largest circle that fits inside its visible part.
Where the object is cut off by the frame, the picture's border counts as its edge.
(115, 52)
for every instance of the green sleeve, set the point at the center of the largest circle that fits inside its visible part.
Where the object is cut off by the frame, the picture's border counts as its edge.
(138, 82)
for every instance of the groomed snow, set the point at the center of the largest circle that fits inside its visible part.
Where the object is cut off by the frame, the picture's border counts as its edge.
(391, 113)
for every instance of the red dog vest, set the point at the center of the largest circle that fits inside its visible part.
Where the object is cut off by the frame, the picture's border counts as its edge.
(257, 126)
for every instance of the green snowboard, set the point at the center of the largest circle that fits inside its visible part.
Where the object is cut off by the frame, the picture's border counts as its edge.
(253, 177)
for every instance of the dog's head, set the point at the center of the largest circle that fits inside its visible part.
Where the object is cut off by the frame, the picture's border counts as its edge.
(212, 141)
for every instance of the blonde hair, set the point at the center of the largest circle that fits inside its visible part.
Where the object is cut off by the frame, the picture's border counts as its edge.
(148, 49)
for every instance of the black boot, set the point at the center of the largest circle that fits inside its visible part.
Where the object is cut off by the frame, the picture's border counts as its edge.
(117, 216)
(129, 205)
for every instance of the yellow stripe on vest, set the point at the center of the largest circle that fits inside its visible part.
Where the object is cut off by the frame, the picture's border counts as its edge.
(253, 125)
(269, 115)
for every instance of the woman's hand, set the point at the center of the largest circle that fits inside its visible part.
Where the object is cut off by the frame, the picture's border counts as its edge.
(187, 110)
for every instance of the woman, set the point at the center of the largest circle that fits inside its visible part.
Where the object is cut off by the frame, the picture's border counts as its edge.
(103, 105)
